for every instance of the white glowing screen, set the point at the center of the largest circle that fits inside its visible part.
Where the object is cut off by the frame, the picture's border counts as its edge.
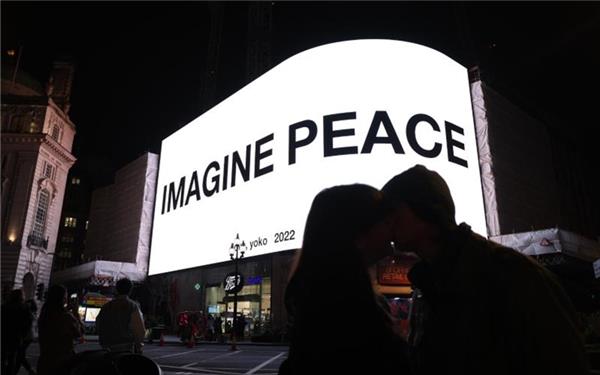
(356, 111)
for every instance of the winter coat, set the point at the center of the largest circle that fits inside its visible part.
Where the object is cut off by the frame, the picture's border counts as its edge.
(487, 309)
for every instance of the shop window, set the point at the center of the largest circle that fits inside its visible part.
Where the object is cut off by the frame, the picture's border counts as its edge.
(266, 298)
(214, 299)
(254, 302)
(70, 222)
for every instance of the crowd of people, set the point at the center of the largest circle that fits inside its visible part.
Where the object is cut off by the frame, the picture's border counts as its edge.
(478, 307)
(196, 325)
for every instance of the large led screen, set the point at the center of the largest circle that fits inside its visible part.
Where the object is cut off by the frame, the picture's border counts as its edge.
(347, 112)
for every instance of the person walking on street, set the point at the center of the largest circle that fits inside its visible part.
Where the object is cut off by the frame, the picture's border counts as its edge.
(218, 328)
(120, 324)
(16, 324)
(31, 311)
(479, 307)
(57, 328)
(210, 328)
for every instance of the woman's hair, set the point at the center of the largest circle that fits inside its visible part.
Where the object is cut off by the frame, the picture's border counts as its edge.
(55, 302)
(331, 279)
(337, 217)
(329, 263)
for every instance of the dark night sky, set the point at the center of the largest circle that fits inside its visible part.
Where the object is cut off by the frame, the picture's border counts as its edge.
(140, 65)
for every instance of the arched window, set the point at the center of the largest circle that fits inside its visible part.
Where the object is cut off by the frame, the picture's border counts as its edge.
(41, 213)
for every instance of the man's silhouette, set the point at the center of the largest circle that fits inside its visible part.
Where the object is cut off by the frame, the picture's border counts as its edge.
(120, 324)
(479, 307)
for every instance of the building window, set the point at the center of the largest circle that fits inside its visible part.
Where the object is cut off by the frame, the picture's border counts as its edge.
(55, 132)
(49, 170)
(33, 128)
(75, 181)
(5, 122)
(15, 123)
(39, 223)
(67, 239)
(70, 222)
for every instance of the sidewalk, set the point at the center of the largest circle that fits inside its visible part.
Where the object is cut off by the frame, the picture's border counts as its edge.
(175, 340)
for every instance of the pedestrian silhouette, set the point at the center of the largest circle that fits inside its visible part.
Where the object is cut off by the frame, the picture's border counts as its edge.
(17, 320)
(330, 278)
(478, 307)
(57, 328)
(120, 323)
(30, 313)
(219, 328)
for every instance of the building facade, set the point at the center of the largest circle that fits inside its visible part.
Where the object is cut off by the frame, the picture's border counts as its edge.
(117, 238)
(73, 222)
(37, 138)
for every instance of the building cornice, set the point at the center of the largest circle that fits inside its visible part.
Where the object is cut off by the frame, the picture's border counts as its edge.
(40, 101)
(37, 138)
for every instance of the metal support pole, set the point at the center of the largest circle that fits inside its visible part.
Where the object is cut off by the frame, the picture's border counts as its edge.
(234, 326)
(236, 252)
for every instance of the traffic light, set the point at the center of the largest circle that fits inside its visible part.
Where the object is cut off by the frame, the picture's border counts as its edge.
(39, 291)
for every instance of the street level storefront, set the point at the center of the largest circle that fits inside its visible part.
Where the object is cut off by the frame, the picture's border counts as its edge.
(260, 301)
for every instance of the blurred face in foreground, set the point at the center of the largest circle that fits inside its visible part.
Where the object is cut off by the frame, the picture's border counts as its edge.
(410, 233)
(348, 221)
(375, 243)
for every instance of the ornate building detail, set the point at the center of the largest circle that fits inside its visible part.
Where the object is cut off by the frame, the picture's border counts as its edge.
(37, 138)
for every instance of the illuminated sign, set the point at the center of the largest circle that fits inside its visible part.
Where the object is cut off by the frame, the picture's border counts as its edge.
(394, 270)
(95, 299)
(347, 112)
(233, 282)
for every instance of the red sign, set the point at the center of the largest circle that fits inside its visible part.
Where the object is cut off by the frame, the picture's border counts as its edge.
(394, 270)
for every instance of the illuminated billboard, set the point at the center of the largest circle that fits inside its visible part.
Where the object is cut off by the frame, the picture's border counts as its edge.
(347, 112)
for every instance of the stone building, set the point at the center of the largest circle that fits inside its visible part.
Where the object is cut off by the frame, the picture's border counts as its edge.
(37, 138)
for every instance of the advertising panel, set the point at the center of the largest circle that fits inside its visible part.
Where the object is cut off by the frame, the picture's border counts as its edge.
(348, 112)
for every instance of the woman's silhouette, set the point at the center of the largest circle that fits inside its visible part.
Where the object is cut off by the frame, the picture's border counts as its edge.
(335, 322)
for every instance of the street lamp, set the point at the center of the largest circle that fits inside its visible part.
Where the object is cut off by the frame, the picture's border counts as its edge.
(236, 252)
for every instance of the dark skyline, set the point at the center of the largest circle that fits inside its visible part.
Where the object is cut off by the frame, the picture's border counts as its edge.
(140, 66)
